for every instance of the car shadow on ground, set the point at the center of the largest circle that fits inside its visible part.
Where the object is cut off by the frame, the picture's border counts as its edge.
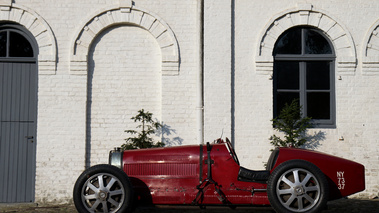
(337, 206)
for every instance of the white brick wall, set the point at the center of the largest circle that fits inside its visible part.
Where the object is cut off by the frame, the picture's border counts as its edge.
(217, 69)
(118, 82)
(125, 77)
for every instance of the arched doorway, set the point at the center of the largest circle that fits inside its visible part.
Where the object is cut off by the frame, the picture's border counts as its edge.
(18, 114)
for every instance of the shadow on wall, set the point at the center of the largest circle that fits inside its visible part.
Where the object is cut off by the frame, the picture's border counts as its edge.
(89, 112)
(166, 132)
(313, 141)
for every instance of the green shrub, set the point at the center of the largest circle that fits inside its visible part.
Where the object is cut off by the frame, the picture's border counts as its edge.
(292, 124)
(142, 138)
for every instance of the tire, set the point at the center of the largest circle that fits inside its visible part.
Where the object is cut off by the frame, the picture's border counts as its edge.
(297, 186)
(103, 188)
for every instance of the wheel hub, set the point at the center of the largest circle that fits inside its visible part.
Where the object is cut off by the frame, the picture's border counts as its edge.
(102, 195)
(299, 190)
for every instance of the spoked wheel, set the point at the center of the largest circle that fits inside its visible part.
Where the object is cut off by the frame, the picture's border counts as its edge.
(103, 188)
(297, 186)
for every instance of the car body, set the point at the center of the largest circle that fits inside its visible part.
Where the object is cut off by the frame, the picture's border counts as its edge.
(296, 180)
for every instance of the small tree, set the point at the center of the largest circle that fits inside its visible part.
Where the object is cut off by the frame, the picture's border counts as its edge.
(292, 124)
(142, 139)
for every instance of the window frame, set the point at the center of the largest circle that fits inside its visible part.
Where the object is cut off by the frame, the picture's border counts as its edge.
(303, 59)
(8, 28)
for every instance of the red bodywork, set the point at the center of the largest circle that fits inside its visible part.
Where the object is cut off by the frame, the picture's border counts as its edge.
(178, 175)
(345, 177)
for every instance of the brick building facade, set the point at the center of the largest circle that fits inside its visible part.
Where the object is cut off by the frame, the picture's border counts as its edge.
(205, 68)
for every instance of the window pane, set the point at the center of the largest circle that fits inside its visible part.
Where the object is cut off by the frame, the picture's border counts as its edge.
(318, 105)
(3, 44)
(287, 75)
(289, 42)
(316, 43)
(318, 75)
(19, 46)
(282, 98)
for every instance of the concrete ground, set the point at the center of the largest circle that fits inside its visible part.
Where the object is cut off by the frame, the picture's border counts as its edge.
(338, 206)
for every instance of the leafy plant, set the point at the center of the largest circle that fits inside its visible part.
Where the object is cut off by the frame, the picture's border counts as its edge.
(292, 124)
(142, 138)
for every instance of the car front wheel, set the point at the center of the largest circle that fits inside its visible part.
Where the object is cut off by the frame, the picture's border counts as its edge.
(297, 186)
(102, 188)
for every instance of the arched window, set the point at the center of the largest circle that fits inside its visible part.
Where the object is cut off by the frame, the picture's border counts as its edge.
(14, 44)
(304, 70)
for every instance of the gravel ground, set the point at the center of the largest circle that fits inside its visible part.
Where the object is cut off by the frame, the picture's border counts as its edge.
(338, 206)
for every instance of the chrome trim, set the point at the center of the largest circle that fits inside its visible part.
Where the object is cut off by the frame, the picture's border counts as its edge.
(115, 157)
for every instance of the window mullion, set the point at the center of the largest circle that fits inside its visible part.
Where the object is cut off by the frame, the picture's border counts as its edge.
(7, 46)
(303, 89)
(303, 66)
(303, 42)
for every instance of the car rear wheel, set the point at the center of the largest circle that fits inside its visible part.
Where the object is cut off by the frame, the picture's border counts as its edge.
(103, 188)
(297, 186)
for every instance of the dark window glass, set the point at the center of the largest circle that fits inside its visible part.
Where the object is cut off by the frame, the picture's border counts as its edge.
(3, 44)
(289, 42)
(318, 105)
(19, 46)
(284, 98)
(288, 73)
(318, 75)
(315, 43)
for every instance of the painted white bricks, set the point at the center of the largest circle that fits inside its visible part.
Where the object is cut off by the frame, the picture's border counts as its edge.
(217, 69)
(114, 16)
(124, 77)
(126, 63)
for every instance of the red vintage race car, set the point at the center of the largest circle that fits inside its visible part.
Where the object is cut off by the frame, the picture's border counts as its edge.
(296, 180)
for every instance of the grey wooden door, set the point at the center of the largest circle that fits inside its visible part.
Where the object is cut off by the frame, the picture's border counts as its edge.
(18, 109)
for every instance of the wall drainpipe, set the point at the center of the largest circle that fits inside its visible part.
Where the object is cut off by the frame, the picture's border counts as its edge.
(200, 81)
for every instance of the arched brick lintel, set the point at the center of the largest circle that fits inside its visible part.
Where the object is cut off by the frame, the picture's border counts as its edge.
(128, 16)
(306, 15)
(370, 62)
(38, 27)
